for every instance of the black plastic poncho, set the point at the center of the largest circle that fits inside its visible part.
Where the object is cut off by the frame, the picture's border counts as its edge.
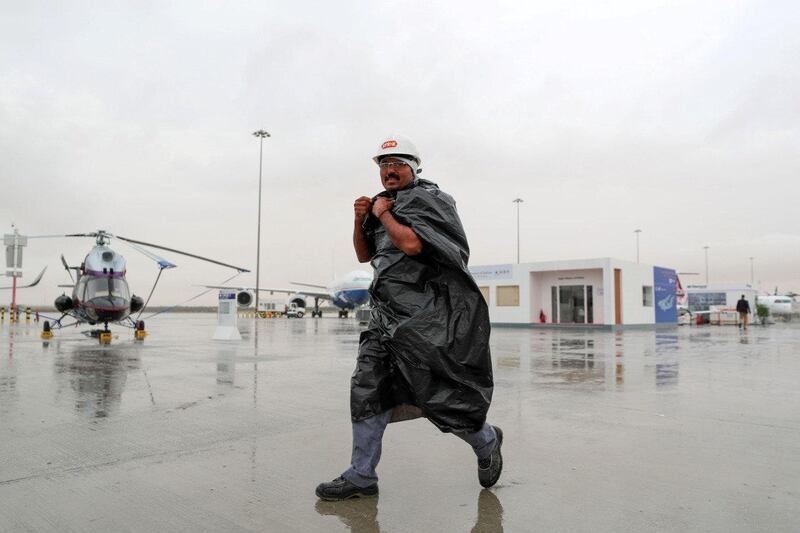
(427, 343)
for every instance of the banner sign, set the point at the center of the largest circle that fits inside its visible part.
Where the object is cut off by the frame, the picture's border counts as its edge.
(491, 272)
(702, 301)
(664, 294)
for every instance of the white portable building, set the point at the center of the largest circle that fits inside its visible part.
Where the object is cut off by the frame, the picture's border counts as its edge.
(603, 293)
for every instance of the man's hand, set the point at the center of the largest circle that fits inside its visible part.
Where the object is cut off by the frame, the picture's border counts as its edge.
(362, 207)
(381, 205)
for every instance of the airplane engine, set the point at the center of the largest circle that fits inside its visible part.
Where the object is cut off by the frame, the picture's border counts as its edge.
(136, 303)
(244, 299)
(63, 303)
(297, 299)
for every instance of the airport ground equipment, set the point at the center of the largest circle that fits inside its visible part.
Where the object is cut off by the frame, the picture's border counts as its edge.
(296, 311)
(139, 333)
(100, 292)
(46, 332)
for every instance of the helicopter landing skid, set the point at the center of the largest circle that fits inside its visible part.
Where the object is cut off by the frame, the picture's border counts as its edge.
(102, 335)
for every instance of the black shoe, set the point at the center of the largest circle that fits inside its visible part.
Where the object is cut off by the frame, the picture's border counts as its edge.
(489, 469)
(341, 489)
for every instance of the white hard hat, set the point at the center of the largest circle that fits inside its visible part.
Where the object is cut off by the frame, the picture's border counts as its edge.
(397, 145)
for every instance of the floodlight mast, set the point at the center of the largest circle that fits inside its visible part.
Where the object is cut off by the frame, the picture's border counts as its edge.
(517, 201)
(260, 134)
(14, 243)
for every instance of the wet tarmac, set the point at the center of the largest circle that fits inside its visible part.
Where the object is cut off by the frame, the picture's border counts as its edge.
(692, 429)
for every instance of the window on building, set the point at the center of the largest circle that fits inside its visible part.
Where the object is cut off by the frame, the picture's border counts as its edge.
(485, 293)
(647, 295)
(508, 295)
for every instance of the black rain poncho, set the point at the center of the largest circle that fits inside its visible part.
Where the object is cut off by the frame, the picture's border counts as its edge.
(427, 343)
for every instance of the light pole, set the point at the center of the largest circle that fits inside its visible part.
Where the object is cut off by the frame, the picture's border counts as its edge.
(260, 134)
(14, 243)
(518, 201)
(637, 232)
(706, 250)
(752, 278)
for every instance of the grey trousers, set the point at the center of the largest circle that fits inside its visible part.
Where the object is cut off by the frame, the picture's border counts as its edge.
(368, 438)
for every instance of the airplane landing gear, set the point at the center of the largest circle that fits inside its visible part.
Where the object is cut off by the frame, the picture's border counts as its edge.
(316, 311)
(343, 313)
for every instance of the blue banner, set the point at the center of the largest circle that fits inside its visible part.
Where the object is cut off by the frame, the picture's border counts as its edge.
(664, 284)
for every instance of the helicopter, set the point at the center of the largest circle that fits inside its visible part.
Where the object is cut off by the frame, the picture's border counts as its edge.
(100, 292)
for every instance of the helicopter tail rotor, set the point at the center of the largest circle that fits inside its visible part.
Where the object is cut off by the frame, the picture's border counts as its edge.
(67, 268)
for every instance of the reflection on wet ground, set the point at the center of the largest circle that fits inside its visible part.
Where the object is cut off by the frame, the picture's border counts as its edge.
(96, 377)
(361, 515)
(595, 359)
(690, 428)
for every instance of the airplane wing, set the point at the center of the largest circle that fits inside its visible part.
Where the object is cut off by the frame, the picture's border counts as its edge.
(31, 284)
(313, 294)
(308, 285)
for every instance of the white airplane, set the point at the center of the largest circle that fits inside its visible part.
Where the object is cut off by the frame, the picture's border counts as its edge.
(347, 293)
(778, 305)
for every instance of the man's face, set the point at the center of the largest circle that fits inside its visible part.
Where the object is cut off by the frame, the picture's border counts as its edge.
(395, 174)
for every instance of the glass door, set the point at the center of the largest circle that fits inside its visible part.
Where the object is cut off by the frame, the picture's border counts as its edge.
(589, 305)
(571, 304)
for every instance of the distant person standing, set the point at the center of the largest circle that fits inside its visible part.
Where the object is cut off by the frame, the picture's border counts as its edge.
(426, 349)
(743, 308)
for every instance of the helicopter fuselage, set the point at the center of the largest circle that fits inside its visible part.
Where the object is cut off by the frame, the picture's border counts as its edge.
(100, 293)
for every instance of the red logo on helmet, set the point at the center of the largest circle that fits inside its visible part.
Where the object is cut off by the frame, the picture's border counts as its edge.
(389, 144)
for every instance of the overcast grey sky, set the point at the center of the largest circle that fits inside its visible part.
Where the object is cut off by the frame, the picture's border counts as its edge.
(679, 118)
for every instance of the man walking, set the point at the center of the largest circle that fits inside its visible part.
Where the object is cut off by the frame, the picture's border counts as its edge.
(743, 308)
(426, 349)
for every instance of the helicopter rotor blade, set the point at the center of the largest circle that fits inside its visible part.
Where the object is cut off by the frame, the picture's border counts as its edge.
(173, 250)
(62, 235)
(67, 268)
(162, 263)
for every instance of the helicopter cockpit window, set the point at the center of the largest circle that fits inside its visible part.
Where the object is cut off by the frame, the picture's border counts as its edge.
(120, 289)
(107, 287)
(81, 289)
